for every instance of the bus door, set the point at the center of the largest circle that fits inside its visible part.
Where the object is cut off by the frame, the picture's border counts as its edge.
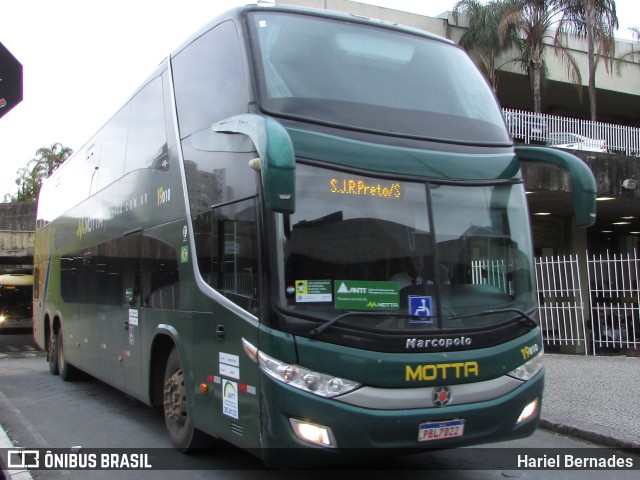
(227, 249)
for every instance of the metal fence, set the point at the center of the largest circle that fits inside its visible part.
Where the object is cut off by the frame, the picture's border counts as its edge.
(590, 302)
(560, 301)
(491, 272)
(608, 320)
(529, 127)
(613, 285)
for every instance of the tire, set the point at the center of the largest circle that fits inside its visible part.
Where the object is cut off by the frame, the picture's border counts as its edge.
(52, 352)
(181, 430)
(67, 372)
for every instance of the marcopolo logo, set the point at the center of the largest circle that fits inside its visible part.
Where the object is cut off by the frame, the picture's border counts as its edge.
(434, 343)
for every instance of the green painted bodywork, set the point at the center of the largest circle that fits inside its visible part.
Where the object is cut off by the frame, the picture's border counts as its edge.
(278, 162)
(208, 330)
(375, 157)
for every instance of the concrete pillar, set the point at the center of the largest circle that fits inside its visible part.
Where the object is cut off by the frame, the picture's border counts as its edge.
(579, 247)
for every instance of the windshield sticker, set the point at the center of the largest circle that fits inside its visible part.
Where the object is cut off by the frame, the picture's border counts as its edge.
(230, 399)
(313, 291)
(420, 309)
(361, 295)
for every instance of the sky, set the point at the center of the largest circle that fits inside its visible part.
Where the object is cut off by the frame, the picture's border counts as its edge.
(83, 58)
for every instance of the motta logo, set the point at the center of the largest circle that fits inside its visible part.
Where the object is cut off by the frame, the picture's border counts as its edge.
(88, 225)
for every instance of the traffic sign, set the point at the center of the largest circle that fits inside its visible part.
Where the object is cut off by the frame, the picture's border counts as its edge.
(10, 81)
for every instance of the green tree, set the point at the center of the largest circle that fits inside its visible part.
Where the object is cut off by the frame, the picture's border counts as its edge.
(633, 55)
(48, 159)
(30, 178)
(595, 20)
(534, 21)
(482, 36)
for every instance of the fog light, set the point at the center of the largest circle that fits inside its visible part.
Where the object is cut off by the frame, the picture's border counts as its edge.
(312, 433)
(528, 412)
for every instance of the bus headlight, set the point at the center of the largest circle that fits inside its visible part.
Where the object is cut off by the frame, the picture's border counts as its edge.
(528, 412)
(317, 383)
(529, 369)
(313, 433)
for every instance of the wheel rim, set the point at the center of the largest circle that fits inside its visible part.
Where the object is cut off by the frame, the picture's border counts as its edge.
(175, 399)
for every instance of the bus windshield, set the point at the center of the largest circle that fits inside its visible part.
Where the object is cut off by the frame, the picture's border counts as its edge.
(415, 254)
(372, 79)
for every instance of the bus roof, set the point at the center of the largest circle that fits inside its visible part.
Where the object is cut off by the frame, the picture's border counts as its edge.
(236, 12)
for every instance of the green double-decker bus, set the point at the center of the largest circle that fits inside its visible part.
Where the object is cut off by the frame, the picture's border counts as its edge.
(306, 229)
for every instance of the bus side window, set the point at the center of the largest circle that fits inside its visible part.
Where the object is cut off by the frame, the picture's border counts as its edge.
(160, 277)
(227, 246)
(147, 139)
(210, 72)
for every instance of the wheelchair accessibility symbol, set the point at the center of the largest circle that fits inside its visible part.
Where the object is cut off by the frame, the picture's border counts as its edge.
(420, 308)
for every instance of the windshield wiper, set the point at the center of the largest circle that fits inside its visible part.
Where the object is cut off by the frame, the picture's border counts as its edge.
(321, 328)
(525, 319)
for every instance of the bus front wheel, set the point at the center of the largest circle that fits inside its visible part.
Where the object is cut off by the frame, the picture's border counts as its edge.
(181, 430)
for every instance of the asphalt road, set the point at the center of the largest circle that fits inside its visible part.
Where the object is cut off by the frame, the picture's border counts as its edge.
(38, 410)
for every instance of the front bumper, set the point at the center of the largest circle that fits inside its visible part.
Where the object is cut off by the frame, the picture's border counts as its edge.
(365, 432)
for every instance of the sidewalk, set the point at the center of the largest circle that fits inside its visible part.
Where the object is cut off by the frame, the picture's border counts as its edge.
(593, 398)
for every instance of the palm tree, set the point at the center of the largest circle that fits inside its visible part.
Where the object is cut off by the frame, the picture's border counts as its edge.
(534, 20)
(633, 55)
(30, 178)
(595, 20)
(482, 37)
(50, 158)
(28, 183)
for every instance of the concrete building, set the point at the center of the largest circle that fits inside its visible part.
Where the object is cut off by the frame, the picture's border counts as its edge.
(17, 225)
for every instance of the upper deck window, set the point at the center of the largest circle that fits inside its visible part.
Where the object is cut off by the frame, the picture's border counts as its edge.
(372, 78)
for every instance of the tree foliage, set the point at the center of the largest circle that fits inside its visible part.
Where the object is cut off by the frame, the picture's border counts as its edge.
(596, 21)
(633, 55)
(538, 26)
(535, 20)
(482, 37)
(30, 178)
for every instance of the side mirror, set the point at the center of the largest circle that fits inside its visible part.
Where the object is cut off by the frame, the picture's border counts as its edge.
(583, 182)
(276, 162)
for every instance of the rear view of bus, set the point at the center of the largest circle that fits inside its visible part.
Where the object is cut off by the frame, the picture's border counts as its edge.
(16, 292)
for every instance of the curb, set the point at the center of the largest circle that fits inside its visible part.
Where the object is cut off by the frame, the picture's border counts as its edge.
(6, 474)
(590, 436)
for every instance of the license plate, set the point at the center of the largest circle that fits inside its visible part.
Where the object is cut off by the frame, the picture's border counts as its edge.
(431, 431)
